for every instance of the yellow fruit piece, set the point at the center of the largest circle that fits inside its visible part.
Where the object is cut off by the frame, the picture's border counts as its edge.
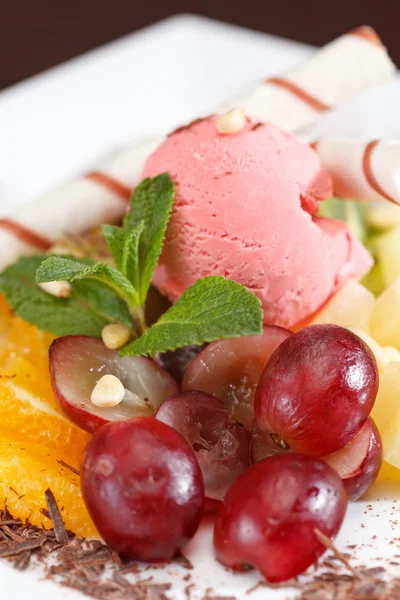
(386, 412)
(382, 359)
(350, 307)
(383, 216)
(388, 252)
(26, 471)
(385, 318)
(387, 402)
(389, 473)
(392, 354)
(26, 416)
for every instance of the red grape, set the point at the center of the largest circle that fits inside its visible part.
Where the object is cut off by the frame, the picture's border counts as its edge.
(317, 390)
(269, 516)
(230, 369)
(177, 361)
(78, 362)
(220, 444)
(143, 488)
(359, 462)
(261, 445)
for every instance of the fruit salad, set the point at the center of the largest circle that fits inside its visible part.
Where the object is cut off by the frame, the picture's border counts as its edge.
(230, 347)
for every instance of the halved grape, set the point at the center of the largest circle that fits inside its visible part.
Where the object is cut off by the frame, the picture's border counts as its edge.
(78, 362)
(220, 444)
(143, 488)
(317, 390)
(359, 462)
(230, 369)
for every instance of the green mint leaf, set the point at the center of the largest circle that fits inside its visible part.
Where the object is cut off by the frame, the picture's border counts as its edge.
(115, 238)
(130, 257)
(212, 308)
(151, 203)
(57, 268)
(90, 307)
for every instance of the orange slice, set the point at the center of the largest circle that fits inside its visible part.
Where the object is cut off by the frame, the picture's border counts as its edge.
(26, 471)
(25, 416)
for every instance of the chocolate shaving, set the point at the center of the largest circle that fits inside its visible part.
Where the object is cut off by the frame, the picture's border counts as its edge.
(15, 548)
(55, 515)
(184, 562)
(325, 541)
(67, 466)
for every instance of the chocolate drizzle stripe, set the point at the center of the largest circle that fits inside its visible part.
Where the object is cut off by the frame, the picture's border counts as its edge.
(111, 184)
(25, 235)
(299, 93)
(369, 34)
(368, 172)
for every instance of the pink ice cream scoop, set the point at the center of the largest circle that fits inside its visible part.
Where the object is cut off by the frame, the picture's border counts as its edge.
(244, 208)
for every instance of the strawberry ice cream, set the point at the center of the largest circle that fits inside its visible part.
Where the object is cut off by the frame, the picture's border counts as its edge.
(245, 208)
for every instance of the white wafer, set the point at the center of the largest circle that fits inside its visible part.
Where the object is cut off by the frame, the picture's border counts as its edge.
(340, 70)
(362, 170)
(354, 62)
(100, 196)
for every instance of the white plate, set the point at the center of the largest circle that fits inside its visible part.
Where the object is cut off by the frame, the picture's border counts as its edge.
(57, 124)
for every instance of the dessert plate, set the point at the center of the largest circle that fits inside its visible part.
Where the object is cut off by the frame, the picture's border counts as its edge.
(61, 122)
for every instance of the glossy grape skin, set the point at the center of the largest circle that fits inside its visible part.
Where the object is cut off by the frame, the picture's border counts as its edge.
(363, 476)
(269, 515)
(221, 445)
(143, 488)
(317, 390)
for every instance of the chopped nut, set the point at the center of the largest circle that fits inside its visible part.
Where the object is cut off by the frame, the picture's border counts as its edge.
(59, 289)
(108, 392)
(232, 121)
(115, 336)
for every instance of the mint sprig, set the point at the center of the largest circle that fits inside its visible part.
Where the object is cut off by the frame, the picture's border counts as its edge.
(212, 308)
(89, 308)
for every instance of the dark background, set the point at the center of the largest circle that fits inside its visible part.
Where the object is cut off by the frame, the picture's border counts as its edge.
(37, 34)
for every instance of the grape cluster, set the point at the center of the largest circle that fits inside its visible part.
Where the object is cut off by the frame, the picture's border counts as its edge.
(272, 433)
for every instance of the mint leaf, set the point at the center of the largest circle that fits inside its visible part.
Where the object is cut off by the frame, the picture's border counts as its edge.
(130, 257)
(212, 308)
(115, 238)
(151, 203)
(57, 268)
(90, 307)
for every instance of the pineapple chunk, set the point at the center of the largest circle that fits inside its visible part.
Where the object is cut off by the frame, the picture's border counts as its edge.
(385, 318)
(392, 354)
(388, 252)
(383, 216)
(387, 403)
(351, 306)
(381, 357)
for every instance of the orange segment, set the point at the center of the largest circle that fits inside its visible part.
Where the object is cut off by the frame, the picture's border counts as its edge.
(34, 432)
(25, 474)
(26, 416)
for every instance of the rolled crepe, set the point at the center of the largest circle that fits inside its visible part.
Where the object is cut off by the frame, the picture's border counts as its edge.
(352, 63)
(362, 170)
(339, 71)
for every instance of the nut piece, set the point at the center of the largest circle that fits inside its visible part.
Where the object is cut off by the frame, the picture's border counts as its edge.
(59, 289)
(115, 336)
(232, 121)
(108, 392)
